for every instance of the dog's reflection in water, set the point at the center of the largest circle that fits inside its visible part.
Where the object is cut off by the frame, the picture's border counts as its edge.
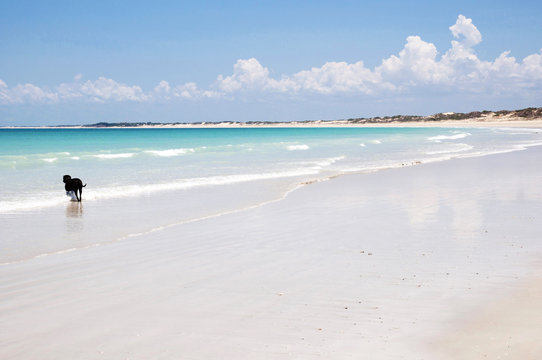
(74, 209)
(74, 217)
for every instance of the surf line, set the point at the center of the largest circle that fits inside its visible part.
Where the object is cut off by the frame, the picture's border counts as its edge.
(212, 216)
(164, 227)
(517, 147)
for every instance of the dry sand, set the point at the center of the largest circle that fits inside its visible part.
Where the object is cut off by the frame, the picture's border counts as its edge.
(473, 123)
(343, 123)
(437, 261)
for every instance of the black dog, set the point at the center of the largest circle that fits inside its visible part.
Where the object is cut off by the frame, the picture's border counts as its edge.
(74, 185)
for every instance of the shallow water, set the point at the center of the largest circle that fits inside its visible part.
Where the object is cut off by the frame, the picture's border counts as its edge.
(144, 179)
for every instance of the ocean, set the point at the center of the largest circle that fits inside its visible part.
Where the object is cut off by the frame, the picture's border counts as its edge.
(142, 180)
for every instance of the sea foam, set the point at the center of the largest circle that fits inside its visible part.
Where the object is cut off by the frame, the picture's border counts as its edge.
(170, 152)
(455, 149)
(52, 199)
(190, 183)
(439, 138)
(114, 156)
(297, 147)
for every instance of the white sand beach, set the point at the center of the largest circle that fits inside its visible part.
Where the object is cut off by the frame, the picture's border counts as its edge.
(491, 120)
(472, 123)
(435, 261)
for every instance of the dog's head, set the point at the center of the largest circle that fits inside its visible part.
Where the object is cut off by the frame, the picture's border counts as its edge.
(66, 178)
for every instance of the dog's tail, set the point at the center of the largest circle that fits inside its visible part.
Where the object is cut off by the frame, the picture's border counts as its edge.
(84, 185)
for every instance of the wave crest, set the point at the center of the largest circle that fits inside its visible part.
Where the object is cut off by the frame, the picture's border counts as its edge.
(297, 147)
(114, 156)
(170, 152)
(439, 138)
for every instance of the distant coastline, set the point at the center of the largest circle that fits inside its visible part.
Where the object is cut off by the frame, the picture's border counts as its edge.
(530, 117)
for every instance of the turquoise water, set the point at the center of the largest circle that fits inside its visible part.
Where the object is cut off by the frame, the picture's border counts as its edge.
(145, 180)
(120, 163)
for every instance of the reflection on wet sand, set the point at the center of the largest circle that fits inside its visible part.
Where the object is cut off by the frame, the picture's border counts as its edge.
(74, 217)
(74, 209)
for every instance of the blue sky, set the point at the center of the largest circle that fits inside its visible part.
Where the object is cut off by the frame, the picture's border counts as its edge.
(66, 62)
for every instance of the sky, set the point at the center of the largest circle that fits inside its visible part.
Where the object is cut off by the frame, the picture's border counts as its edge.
(82, 62)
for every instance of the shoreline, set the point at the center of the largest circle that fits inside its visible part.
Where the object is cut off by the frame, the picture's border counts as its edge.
(109, 198)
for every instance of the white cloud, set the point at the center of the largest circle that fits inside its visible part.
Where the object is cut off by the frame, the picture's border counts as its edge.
(247, 75)
(4, 93)
(101, 90)
(186, 91)
(190, 91)
(460, 61)
(104, 90)
(27, 93)
(162, 87)
(162, 91)
(250, 75)
(464, 27)
(335, 77)
(416, 66)
(417, 63)
(533, 63)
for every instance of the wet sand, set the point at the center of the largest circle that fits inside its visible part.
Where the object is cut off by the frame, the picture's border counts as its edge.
(507, 326)
(426, 262)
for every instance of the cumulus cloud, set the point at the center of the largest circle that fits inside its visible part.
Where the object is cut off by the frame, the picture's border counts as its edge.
(164, 92)
(191, 91)
(532, 66)
(417, 66)
(101, 90)
(332, 77)
(416, 63)
(247, 75)
(335, 77)
(26, 93)
(4, 95)
(464, 27)
(105, 90)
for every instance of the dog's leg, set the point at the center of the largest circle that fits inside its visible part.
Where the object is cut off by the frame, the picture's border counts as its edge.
(78, 196)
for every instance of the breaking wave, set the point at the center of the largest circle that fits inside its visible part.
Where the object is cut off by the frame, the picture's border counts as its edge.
(439, 138)
(170, 152)
(297, 147)
(56, 198)
(455, 149)
(114, 156)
